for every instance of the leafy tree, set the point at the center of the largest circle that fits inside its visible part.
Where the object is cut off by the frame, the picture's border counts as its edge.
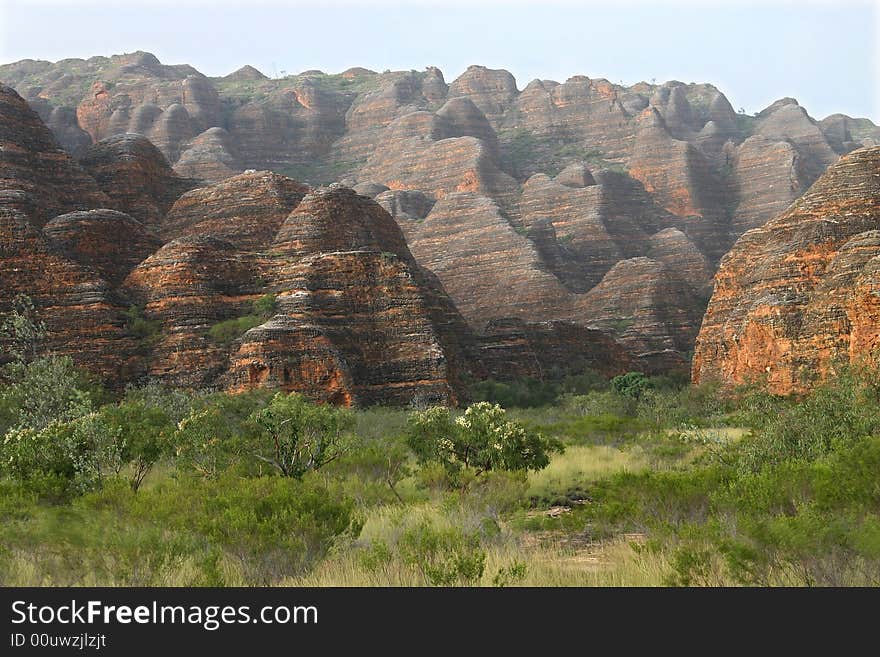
(61, 457)
(631, 384)
(142, 435)
(265, 306)
(22, 331)
(43, 391)
(482, 439)
(298, 436)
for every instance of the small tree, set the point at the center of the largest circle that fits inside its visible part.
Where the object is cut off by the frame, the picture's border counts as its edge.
(22, 331)
(482, 439)
(142, 434)
(631, 384)
(298, 435)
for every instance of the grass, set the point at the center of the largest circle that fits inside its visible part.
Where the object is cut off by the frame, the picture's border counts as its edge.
(662, 485)
(570, 472)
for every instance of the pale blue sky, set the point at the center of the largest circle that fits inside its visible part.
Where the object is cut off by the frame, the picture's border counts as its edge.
(822, 53)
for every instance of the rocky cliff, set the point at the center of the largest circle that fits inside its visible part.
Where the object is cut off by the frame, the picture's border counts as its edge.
(583, 202)
(798, 297)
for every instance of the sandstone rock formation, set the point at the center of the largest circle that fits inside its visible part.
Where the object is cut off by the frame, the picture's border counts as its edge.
(358, 321)
(246, 210)
(512, 349)
(82, 318)
(47, 181)
(583, 201)
(490, 270)
(209, 156)
(797, 298)
(135, 175)
(109, 242)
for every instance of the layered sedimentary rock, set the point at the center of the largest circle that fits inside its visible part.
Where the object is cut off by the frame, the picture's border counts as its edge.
(45, 179)
(576, 218)
(412, 158)
(768, 177)
(489, 269)
(246, 210)
(682, 258)
(407, 207)
(358, 321)
(787, 120)
(648, 310)
(109, 242)
(491, 90)
(657, 178)
(797, 297)
(189, 285)
(82, 318)
(681, 178)
(512, 348)
(210, 156)
(135, 175)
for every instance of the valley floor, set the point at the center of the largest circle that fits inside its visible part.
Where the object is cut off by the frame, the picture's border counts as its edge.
(658, 484)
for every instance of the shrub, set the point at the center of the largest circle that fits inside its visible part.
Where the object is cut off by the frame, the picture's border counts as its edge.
(148, 331)
(631, 384)
(444, 556)
(480, 440)
(21, 330)
(265, 306)
(834, 415)
(214, 435)
(298, 435)
(44, 391)
(231, 329)
(142, 435)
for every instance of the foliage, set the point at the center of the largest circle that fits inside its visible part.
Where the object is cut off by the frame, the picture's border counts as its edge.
(631, 384)
(141, 432)
(43, 391)
(265, 306)
(21, 330)
(531, 393)
(61, 458)
(148, 331)
(297, 435)
(229, 330)
(482, 439)
(444, 556)
(213, 437)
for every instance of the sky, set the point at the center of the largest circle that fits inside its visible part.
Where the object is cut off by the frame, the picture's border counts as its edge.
(823, 53)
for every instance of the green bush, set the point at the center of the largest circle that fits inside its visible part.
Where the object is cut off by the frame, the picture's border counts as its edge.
(631, 384)
(834, 415)
(297, 435)
(444, 556)
(148, 331)
(229, 330)
(142, 434)
(22, 331)
(43, 391)
(480, 440)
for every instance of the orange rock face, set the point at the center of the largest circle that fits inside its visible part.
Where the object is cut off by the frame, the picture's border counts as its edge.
(358, 320)
(82, 318)
(583, 201)
(797, 297)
